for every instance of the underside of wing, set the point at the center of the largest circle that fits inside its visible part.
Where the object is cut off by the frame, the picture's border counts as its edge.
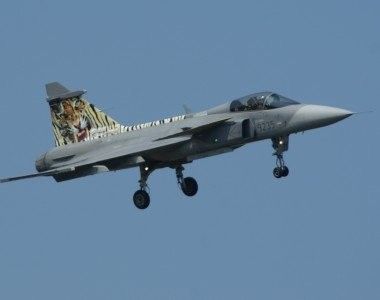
(128, 154)
(46, 173)
(144, 145)
(122, 157)
(137, 147)
(98, 160)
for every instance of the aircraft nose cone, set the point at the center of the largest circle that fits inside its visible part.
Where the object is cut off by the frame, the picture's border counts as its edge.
(314, 116)
(324, 113)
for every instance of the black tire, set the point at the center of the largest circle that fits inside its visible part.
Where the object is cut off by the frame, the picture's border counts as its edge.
(277, 172)
(189, 186)
(284, 171)
(141, 199)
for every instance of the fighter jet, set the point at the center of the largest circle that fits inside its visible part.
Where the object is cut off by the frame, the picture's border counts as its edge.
(88, 141)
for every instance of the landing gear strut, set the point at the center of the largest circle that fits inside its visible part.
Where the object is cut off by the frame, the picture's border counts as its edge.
(280, 145)
(188, 185)
(141, 198)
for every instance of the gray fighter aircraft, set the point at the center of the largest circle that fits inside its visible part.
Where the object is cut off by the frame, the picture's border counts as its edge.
(88, 141)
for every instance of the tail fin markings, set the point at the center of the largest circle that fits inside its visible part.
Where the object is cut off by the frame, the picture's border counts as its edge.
(74, 119)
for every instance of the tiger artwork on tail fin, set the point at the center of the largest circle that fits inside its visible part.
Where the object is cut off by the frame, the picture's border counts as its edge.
(74, 119)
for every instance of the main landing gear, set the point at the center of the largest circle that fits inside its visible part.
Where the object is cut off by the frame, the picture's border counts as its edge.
(188, 185)
(141, 198)
(280, 145)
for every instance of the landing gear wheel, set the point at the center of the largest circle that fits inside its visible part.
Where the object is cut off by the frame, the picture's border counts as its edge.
(189, 186)
(284, 171)
(141, 199)
(277, 172)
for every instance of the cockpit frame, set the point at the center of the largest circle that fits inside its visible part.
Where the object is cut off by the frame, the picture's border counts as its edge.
(260, 101)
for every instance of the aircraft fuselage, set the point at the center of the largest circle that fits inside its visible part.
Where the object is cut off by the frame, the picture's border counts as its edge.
(241, 128)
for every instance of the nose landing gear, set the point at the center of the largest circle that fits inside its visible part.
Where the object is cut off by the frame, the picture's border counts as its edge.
(281, 170)
(280, 145)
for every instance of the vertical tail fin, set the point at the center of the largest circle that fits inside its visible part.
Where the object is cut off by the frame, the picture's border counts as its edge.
(74, 119)
(55, 90)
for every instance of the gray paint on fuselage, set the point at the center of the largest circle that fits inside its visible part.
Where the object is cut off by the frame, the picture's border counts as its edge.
(239, 129)
(227, 135)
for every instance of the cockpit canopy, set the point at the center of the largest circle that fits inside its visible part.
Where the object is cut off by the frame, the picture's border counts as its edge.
(260, 101)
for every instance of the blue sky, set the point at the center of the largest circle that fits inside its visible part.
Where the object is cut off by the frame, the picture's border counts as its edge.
(245, 235)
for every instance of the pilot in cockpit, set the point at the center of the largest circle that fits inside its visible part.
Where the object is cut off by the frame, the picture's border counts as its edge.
(255, 103)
